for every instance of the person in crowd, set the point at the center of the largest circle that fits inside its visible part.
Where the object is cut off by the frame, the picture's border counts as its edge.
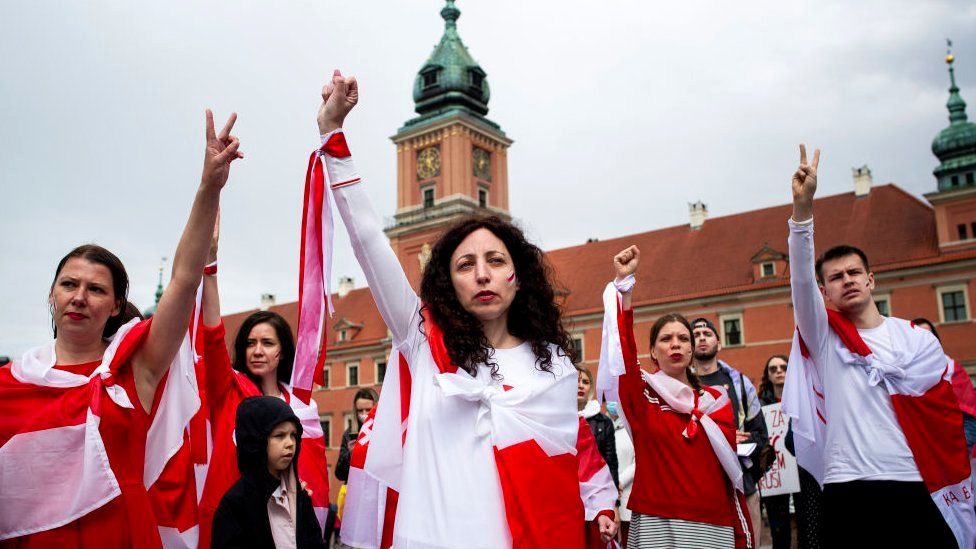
(600, 424)
(962, 385)
(627, 466)
(78, 410)
(750, 424)
(874, 416)
(362, 404)
(687, 489)
(266, 507)
(262, 364)
(777, 507)
(490, 428)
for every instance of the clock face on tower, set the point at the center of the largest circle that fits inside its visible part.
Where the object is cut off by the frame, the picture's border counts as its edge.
(481, 160)
(428, 163)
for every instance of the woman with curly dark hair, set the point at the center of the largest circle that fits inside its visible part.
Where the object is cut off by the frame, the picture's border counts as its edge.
(487, 457)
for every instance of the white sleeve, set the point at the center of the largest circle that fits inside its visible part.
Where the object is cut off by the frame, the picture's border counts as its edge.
(397, 303)
(808, 304)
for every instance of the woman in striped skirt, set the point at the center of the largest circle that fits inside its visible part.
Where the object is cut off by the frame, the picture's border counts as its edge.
(687, 490)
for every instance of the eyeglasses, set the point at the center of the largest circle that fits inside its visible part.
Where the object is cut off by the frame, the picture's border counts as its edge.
(777, 368)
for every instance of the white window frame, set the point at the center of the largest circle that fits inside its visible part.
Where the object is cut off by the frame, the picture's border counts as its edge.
(327, 376)
(965, 297)
(582, 346)
(328, 435)
(483, 189)
(350, 364)
(883, 297)
(742, 329)
(423, 193)
(376, 368)
(348, 422)
(772, 268)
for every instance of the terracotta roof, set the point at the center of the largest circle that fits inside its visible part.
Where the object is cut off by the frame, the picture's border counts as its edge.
(894, 228)
(356, 307)
(889, 224)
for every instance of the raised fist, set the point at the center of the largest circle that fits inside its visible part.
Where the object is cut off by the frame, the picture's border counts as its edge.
(625, 263)
(339, 96)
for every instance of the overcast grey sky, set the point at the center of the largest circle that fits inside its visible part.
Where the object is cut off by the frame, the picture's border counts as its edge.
(622, 112)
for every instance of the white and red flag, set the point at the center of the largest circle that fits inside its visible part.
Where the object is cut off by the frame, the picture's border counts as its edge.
(528, 437)
(51, 429)
(923, 401)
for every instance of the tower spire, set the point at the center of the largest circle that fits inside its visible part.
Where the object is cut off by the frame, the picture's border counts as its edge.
(956, 104)
(159, 290)
(450, 13)
(450, 80)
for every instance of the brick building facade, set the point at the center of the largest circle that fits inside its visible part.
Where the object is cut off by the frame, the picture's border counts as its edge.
(451, 162)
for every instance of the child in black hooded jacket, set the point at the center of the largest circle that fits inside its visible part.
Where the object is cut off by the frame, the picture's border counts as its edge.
(267, 507)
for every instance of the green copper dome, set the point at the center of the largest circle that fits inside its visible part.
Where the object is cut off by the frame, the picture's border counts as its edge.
(451, 78)
(955, 146)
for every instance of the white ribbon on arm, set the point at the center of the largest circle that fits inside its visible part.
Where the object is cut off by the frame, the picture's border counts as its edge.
(681, 398)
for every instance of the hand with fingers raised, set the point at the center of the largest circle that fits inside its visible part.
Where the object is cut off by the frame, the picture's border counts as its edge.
(339, 96)
(805, 185)
(625, 262)
(221, 150)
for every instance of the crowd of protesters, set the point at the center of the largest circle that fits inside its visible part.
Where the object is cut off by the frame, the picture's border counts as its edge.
(152, 433)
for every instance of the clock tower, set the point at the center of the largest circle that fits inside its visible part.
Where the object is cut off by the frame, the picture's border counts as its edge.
(452, 161)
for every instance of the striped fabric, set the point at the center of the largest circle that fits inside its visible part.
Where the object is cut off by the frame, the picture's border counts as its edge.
(649, 532)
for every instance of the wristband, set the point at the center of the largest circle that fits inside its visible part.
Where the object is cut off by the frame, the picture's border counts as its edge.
(211, 269)
(625, 285)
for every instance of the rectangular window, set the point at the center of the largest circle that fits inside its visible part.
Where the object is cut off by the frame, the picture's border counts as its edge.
(347, 420)
(482, 198)
(973, 226)
(577, 342)
(352, 374)
(326, 422)
(955, 181)
(731, 330)
(327, 377)
(970, 178)
(954, 306)
(430, 78)
(768, 269)
(961, 229)
(429, 197)
(884, 305)
(380, 370)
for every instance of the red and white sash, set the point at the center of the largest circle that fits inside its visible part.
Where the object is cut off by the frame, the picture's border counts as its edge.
(528, 437)
(680, 397)
(923, 401)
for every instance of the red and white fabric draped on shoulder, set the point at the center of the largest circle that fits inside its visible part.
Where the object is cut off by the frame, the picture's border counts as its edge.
(79, 454)
(472, 461)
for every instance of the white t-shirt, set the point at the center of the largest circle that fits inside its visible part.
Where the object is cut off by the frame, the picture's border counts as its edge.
(453, 495)
(864, 440)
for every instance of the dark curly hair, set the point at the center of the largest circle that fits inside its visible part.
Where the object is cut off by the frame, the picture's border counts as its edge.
(282, 330)
(534, 315)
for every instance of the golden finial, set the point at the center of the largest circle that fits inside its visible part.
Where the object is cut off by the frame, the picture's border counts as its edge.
(949, 56)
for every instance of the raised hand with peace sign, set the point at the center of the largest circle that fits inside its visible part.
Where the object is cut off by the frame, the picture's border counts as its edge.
(805, 185)
(221, 150)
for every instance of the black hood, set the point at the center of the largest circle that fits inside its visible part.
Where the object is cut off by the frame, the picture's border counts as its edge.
(256, 418)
